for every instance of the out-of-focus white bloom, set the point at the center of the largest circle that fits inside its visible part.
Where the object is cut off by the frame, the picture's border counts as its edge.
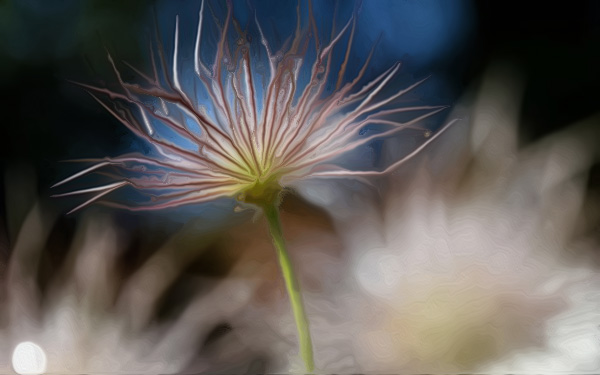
(475, 260)
(91, 319)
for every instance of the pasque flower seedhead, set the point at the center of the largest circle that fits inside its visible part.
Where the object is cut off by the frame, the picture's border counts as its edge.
(249, 138)
(245, 140)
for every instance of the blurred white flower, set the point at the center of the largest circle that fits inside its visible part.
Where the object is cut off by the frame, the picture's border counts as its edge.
(476, 260)
(91, 318)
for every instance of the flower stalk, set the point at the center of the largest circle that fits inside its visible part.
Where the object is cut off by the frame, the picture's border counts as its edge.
(271, 211)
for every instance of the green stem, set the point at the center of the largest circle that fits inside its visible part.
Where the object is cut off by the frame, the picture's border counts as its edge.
(293, 288)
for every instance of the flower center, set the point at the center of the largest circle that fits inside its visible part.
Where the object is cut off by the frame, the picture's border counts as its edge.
(264, 190)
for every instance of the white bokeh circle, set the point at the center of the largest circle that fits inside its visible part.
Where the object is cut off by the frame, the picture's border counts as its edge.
(29, 359)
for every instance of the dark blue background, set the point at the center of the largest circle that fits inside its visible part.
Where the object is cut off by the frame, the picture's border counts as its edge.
(43, 44)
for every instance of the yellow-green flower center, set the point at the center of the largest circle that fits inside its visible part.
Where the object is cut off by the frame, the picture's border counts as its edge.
(264, 190)
(263, 186)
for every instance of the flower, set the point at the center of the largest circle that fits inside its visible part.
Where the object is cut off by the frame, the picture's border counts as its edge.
(484, 261)
(246, 140)
(86, 316)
